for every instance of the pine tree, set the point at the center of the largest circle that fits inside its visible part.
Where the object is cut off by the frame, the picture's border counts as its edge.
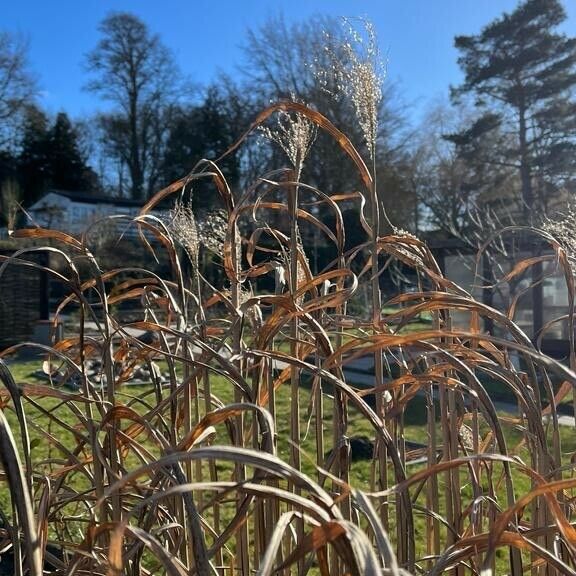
(522, 72)
(67, 169)
(33, 159)
(50, 157)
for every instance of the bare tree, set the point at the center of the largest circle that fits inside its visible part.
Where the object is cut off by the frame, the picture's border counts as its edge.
(300, 60)
(458, 195)
(17, 83)
(133, 69)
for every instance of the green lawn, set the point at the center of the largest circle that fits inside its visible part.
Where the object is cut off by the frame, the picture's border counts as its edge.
(54, 423)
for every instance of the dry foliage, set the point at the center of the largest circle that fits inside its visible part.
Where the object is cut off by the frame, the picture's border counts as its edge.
(176, 480)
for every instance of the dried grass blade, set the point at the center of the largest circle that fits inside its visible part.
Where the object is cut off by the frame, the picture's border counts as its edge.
(21, 497)
(171, 564)
(44, 234)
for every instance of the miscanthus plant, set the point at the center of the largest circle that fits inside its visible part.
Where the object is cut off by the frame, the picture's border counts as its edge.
(238, 455)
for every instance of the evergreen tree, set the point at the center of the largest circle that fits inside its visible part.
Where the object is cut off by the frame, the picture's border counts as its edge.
(67, 169)
(522, 72)
(50, 157)
(33, 171)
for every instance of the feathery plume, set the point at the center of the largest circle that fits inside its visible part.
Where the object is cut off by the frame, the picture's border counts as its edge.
(295, 134)
(212, 230)
(182, 225)
(357, 73)
(563, 229)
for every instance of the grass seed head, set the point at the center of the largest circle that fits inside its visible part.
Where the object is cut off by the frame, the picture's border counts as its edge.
(356, 72)
(182, 225)
(563, 229)
(295, 134)
(212, 230)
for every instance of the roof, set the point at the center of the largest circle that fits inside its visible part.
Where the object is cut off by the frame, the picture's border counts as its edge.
(91, 198)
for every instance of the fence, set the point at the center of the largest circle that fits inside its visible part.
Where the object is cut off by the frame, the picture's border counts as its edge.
(22, 301)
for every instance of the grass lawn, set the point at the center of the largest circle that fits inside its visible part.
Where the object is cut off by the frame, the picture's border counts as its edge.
(54, 426)
(414, 430)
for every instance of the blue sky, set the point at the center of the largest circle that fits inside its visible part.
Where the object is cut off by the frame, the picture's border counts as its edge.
(206, 35)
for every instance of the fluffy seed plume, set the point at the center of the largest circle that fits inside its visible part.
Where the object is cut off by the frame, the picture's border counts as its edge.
(563, 229)
(182, 225)
(295, 134)
(401, 232)
(356, 72)
(212, 230)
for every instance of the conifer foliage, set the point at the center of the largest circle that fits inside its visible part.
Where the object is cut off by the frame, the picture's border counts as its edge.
(522, 71)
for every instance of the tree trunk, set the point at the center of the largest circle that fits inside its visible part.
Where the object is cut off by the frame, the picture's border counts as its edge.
(134, 163)
(525, 172)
